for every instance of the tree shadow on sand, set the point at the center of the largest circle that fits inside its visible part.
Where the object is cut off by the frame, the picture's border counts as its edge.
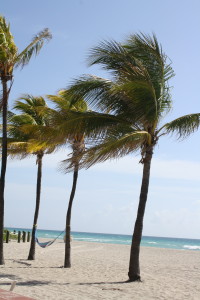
(33, 283)
(25, 264)
(104, 282)
(23, 283)
(10, 276)
(39, 283)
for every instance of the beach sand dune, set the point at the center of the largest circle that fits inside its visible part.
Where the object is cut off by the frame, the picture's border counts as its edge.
(99, 271)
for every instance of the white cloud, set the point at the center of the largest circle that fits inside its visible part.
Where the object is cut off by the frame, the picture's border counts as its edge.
(177, 169)
(161, 168)
(20, 205)
(181, 222)
(104, 204)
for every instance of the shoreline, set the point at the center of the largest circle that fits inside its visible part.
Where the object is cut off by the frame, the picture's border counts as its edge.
(104, 243)
(147, 241)
(103, 233)
(99, 271)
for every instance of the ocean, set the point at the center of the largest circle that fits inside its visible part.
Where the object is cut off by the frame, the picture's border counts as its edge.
(147, 241)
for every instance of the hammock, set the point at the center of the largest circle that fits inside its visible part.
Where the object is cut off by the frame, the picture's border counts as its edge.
(46, 244)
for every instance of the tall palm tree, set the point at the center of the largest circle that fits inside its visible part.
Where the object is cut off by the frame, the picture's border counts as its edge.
(11, 58)
(60, 117)
(130, 110)
(22, 144)
(51, 137)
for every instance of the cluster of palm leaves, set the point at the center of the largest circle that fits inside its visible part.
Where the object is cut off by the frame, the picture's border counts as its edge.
(126, 116)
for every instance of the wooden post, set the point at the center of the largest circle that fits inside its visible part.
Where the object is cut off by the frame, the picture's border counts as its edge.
(28, 236)
(19, 236)
(24, 236)
(7, 236)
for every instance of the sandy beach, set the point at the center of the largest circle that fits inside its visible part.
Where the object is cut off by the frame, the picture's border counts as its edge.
(99, 271)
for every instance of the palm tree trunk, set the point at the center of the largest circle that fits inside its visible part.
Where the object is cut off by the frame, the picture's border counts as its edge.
(67, 261)
(3, 165)
(31, 255)
(134, 265)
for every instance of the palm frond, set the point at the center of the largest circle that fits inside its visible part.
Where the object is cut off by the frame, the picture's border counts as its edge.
(114, 146)
(115, 58)
(44, 136)
(8, 50)
(17, 149)
(33, 107)
(183, 126)
(140, 83)
(146, 111)
(64, 100)
(90, 124)
(33, 48)
(147, 49)
(104, 95)
(90, 88)
(23, 128)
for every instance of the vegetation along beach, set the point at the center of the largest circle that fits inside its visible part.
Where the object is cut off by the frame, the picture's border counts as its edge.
(99, 182)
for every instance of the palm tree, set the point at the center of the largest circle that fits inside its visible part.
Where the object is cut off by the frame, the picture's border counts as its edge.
(49, 136)
(22, 144)
(130, 109)
(59, 119)
(11, 58)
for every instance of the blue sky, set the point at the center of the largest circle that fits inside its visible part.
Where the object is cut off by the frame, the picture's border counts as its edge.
(107, 194)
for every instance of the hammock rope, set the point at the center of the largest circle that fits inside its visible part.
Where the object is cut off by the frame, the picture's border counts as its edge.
(46, 244)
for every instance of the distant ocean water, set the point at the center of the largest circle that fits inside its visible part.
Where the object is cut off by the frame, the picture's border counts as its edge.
(147, 241)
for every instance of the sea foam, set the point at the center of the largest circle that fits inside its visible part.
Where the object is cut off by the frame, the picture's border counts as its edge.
(192, 247)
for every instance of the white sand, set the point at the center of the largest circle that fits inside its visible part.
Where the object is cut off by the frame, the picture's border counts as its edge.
(99, 271)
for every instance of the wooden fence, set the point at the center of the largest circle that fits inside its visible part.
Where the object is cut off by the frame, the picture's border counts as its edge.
(20, 236)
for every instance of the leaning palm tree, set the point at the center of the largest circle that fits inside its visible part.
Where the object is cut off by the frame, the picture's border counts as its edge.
(59, 118)
(11, 58)
(22, 144)
(130, 110)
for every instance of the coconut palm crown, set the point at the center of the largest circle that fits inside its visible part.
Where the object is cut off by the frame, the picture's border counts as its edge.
(33, 113)
(130, 109)
(10, 57)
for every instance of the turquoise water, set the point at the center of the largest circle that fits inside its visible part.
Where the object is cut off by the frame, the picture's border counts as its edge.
(148, 241)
